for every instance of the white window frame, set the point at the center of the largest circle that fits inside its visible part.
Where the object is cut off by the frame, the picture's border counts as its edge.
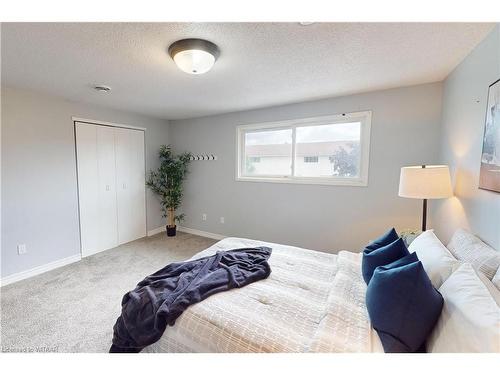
(363, 117)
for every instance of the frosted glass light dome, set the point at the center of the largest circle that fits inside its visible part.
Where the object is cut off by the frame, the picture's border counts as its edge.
(194, 61)
(194, 56)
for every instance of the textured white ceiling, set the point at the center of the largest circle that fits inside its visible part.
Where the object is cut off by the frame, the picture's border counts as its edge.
(261, 64)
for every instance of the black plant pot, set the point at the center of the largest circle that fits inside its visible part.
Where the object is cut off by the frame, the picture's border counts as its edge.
(171, 230)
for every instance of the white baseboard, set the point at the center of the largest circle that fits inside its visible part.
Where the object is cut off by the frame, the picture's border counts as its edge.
(196, 232)
(201, 233)
(155, 231)
(75, 258)
(40, 269)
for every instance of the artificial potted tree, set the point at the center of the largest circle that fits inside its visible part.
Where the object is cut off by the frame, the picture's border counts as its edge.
(167, 181)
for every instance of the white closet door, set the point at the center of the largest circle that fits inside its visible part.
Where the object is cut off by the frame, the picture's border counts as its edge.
(88, 187)
(130, 182)
(111, 186)
(96, 187)
(106, 167)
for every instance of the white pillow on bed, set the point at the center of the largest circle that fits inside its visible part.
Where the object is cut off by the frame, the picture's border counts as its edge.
(438, 262)
(496, 279)
(470, 320)
(494, 292)
(468, 248)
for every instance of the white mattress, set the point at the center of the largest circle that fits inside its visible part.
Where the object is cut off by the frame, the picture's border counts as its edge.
(311, 302)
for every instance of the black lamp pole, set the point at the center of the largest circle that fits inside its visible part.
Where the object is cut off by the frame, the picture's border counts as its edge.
(424, 215)
(424, 212)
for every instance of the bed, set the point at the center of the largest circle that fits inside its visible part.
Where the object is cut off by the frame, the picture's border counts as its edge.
(311, 302)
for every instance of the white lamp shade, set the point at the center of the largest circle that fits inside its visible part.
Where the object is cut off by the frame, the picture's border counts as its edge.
(431, 182)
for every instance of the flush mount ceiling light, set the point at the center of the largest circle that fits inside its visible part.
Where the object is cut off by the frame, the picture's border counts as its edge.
(194, 56)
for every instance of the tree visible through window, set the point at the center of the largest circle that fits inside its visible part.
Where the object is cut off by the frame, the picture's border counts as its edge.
(345, 160)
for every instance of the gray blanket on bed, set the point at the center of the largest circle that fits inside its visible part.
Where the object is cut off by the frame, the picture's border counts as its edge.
(160, 298)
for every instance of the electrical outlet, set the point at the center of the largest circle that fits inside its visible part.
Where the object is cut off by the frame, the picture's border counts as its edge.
(204, 217)
(222, 220)
(21, 249)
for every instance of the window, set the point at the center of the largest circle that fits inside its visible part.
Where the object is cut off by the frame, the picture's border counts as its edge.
(330, 150)
(311, 159)
(273, 149)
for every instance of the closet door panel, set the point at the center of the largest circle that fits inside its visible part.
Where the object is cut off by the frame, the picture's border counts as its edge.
(88, 187)
(106, 167)
(130, 182)
(137, 184)
(124, 213)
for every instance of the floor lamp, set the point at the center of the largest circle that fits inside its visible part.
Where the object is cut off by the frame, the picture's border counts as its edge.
(425, 182)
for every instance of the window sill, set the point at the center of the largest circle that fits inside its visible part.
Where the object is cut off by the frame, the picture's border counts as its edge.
(358, 182)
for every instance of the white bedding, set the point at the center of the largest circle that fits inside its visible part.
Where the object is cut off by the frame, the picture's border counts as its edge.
(311, 302)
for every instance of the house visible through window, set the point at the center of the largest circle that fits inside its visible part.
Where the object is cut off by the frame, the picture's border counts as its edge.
(325, 150)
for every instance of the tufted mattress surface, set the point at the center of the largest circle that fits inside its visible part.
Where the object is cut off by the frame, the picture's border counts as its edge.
(311, 302)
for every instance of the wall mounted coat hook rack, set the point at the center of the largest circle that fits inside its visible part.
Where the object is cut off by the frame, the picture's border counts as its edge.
(203, 157)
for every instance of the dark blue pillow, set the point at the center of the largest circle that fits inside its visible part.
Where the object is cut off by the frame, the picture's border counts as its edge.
(403, 305)
(385, 239)
(381, 256)
(407, 259)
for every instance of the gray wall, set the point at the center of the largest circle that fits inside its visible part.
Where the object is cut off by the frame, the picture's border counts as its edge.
(39, 190)
(464, 106)
(405, 130)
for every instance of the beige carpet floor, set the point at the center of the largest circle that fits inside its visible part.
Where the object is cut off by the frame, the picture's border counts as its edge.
(74, 308)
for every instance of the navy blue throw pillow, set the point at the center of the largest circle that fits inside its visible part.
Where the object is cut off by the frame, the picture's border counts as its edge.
(403, 305)
(381, 256)
(385, 239)
(407, 259)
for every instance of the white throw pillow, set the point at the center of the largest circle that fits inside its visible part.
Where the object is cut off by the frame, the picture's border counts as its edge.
(496, 279)
(468, 248)
(470, 320)
(438, 262)
(494, 292)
